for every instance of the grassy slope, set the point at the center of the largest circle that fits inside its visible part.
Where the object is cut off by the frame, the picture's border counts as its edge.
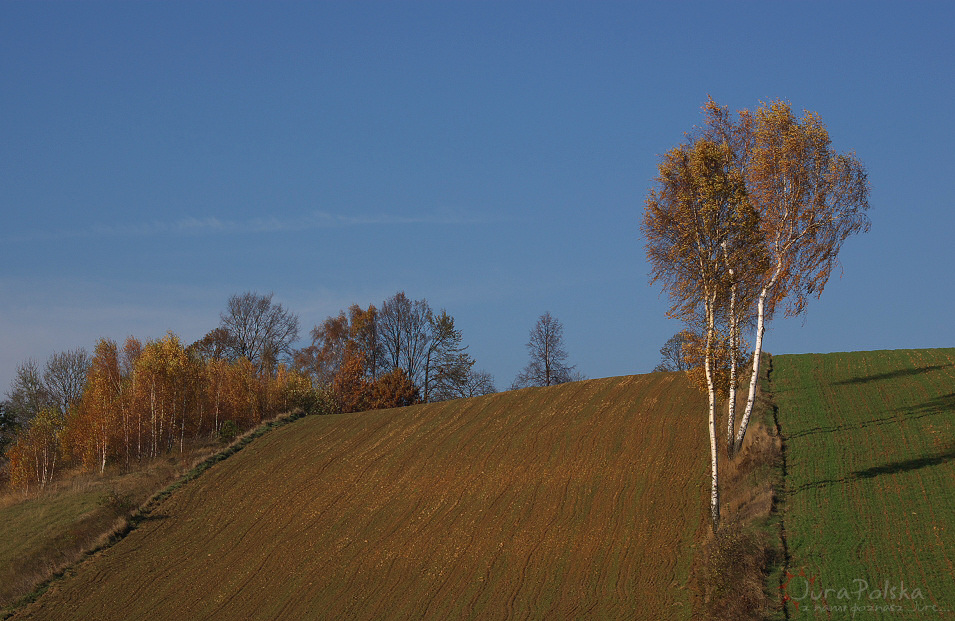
(870, 442)
(571, 501)
(39, 534)
(37, 522)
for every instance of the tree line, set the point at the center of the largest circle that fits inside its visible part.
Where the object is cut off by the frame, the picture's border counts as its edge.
(745, 217)
(142, 400)
(400, 353)
(132, 402)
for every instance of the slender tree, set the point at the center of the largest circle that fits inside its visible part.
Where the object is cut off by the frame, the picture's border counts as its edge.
(129, 358)
(672, 353)
(448, 365)
(809, 200)
(36, 453)
(65, 377)
(363, 334)
(8, 428)
(404, 336)
(323, 358)
(98, 422)
(479, 382)
(698, 199)
(548, 358)
(28, 394)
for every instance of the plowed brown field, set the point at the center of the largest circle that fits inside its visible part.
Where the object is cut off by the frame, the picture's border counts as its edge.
(577, 501)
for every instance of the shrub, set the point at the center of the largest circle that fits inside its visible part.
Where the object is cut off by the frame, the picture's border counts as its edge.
(228, 432)
(119, 504)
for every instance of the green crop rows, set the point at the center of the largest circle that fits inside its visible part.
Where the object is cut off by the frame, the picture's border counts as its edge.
(869, 506)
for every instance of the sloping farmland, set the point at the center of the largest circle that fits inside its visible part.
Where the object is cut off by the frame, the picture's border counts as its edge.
(577, 501)
(869, 509)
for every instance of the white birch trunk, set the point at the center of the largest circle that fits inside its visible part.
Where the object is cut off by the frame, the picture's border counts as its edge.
(711, 392)
(125, 412)
(757, 354)
(39, 467)
(734, 354)
(139, 435)
(104, 447)
(152, 420)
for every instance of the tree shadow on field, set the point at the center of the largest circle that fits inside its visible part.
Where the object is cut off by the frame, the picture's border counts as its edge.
(906, 465)
(932, 407)
(895, 467)
(142, 518)
(863, 379)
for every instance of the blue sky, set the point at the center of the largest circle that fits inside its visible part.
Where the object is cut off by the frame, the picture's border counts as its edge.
(492, 157)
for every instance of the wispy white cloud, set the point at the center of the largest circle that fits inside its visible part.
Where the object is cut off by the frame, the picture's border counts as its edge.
(211, 225)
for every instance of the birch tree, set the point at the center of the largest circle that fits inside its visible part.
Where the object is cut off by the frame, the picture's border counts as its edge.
(698, 200)
(93, 427)
(809, 200)
(36, 452)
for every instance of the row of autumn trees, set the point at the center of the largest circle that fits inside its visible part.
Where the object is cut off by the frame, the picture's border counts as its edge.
(131, 403)
(140, 401)
(746, 216)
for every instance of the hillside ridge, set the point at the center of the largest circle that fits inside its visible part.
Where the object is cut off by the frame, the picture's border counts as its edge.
(557, 500)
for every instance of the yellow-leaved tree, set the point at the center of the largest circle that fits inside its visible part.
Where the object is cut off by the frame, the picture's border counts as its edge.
(693, 213)
(809, 199)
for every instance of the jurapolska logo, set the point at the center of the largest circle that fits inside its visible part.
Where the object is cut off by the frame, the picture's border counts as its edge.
(790, 590)
(803, 590)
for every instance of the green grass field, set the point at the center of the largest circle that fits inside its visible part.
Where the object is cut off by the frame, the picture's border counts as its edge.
(869, 506)
(41, 533)
(585, 500)
(38, 533)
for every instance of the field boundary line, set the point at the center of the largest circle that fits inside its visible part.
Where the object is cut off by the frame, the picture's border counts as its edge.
(145, 511)
(780, 495)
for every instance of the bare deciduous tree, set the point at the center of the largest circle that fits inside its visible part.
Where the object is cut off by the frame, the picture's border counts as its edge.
(28, 394)
(547, 365)
(217, 344)
(258, 329)
(478, 383)
(403, 334)
(672, 355)
(65, 377)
